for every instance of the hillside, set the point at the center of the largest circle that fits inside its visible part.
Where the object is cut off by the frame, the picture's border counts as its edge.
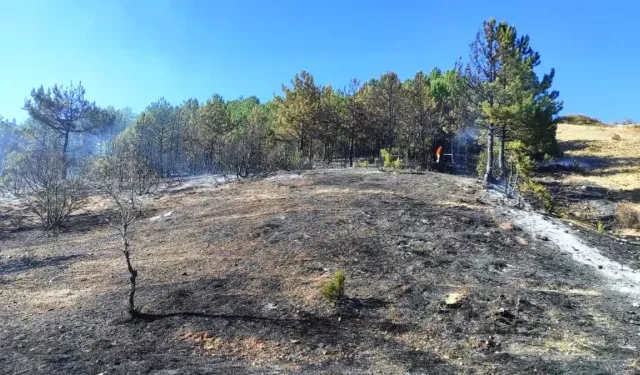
(439, 280)
(610, 155)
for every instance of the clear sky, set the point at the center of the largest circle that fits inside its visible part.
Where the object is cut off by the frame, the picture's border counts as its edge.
(132, 52)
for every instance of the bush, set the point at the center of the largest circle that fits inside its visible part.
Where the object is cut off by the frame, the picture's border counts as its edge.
(390, 161)
(386, 157)
(397, 164)
(542, 195)
(363, 164)
(627, 216)
(43, 179)
(628, 121)
(600, 226)
(616, 137)
(579, 120)
(333, 290)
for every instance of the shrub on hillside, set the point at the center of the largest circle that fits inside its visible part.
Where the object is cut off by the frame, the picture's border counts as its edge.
(616, 137)
(628, 121)
(333, 290)
(627, 216)
(44, 180)
(541, 193)
(579, 120)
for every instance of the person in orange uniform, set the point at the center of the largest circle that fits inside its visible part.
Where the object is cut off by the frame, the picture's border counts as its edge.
(438, 152)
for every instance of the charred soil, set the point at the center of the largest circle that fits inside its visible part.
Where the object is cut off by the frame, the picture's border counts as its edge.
(438, 281)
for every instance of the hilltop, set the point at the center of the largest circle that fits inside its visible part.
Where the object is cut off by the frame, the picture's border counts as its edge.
(441, 278)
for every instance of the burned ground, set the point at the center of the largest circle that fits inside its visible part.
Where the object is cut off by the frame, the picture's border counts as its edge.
(230, 276)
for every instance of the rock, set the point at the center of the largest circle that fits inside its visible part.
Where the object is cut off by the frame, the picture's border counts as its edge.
(635, 304)
(454, 299)
(600, 267)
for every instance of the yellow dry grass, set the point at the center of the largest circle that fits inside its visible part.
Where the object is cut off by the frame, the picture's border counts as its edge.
(617, 147)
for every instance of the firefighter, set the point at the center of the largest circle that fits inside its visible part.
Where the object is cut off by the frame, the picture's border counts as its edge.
(438, 152)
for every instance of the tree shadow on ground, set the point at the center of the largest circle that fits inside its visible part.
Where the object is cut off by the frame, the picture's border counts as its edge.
(27, 263)
(576, 145)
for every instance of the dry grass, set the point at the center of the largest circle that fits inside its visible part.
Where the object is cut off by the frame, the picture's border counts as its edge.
(628, 215)
(232, 277)
(614, 149)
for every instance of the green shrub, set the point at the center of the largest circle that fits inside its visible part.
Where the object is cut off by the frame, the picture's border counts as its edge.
(390, 161)
(518, 157)
(600, 226)
(542, 194)
(363, 164)
(397, 164)
(386, 157)
(333, 290)
(579, 120)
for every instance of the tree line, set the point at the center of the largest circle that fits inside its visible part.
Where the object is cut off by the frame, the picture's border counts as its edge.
(495, 98)
(69, 147)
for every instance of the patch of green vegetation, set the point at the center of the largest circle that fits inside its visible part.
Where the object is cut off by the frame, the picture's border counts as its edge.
(579, 120)
(390, 161)
(333, 290)
(600, 226)
(541, 193)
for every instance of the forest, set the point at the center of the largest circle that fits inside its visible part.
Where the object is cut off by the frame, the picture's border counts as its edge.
(388, 225)
(482, 109)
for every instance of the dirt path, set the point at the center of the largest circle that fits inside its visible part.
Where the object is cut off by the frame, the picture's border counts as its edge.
(619, 276)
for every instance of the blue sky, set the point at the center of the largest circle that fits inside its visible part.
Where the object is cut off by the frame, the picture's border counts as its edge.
(130, 53)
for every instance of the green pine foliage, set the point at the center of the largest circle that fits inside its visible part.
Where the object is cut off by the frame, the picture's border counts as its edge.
(333, 290)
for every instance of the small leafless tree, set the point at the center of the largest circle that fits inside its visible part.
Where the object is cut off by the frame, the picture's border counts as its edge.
(119, 175)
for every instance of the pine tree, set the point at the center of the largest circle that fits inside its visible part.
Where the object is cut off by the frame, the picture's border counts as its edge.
(298, 112)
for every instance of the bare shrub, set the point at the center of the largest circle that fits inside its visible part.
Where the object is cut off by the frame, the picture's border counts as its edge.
(40, 177)
(119, 175)
(616, 137)
(627, 216)
(628, 121)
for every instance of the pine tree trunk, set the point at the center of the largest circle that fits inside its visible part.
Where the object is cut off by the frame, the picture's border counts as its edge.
(501, 156)
(488, 176)
(65, 146)
(351, 149)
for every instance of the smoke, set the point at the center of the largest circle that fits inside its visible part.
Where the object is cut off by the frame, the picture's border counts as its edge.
(467, 135)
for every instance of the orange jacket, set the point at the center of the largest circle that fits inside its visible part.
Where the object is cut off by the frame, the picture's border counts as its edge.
(439, 150)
